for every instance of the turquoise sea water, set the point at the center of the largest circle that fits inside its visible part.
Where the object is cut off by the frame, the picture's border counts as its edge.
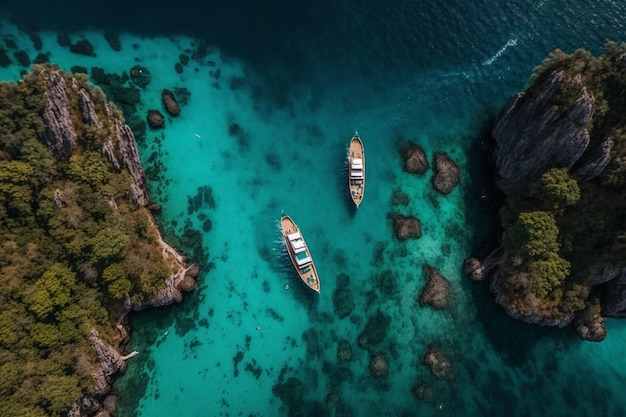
(269, 134)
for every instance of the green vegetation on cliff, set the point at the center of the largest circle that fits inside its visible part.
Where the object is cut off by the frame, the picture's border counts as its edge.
(562, 226)
(72, 245)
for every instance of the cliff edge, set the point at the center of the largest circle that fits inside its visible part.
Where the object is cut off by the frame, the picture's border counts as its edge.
(80, 247)
(560, 162)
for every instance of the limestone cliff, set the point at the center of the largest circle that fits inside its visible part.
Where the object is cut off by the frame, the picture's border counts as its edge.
(88, 110)
(61, 124)
(121, 150)
(613, 294)
(110, 362)
(59, 132)
(570, 118)
(533, 135)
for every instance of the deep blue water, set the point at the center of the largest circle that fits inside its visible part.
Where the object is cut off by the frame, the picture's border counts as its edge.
(433, 72)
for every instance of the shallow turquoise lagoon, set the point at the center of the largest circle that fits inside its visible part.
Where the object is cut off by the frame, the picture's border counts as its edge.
(253, 142)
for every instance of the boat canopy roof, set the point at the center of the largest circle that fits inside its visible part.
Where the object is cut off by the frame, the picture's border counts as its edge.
(356, 173)
(294, 236)
(357, 162)
(298, 245)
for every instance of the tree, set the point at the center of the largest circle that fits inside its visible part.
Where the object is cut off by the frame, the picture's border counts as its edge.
(60, 392)
(533, 235)
(53, 290)
(89, 168)
(46, 309)
(154, 278)
(560, 188)
(11, 378)
(9, 332)
(109, 243)
(15, 185)
(46, 335)
(120, 288)
(13, 407)
(117, 282)
(549, 273)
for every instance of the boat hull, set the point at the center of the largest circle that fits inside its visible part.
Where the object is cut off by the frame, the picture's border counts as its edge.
(356, 169)
(299, 253)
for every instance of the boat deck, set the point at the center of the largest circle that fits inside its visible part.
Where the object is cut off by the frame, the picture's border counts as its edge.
(299, 253)
(356, 170)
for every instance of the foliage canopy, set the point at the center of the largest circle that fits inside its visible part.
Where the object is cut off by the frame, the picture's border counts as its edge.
(561, 227)
(72, 245)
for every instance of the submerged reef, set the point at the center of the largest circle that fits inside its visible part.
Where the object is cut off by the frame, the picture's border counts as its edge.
(447, 173)
(79, 247)
(560, 163)
(414, 159)
(436, 292)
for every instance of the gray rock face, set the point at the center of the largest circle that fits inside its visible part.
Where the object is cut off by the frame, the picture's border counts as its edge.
(602, 273)
(59, 134)
(110, 362)
(532, 136)
(87, 406)
(88, 110)
(613, 296)
(109, 150)
(122, 152)
(594, 164)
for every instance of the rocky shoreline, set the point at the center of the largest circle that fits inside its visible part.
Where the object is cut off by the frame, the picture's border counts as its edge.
(550, 126)
(121, 151)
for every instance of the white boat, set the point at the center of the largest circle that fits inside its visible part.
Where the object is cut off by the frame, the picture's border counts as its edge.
(299, 253)
(356, 169)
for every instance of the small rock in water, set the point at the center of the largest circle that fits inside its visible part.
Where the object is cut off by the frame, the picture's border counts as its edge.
(155, 119)
(447, 173)
(414, 159)
(436, 292)
(170, 103)
(405, 227)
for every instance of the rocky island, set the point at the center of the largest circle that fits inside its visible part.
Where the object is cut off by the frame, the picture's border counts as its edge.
(79, 248)
(560, 163)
